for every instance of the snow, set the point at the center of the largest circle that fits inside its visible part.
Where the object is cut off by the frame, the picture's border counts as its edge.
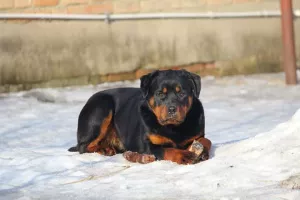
(253, 122)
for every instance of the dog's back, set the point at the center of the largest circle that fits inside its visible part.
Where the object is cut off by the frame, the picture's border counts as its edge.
(123, 104)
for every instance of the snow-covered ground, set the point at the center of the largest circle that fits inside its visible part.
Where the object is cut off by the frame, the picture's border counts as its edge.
(252, 121)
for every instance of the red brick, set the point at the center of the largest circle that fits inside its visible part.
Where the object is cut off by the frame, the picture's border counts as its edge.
(97, 1)
(210, 65)
(159, 5)
(43, 11)
(243, 1)
(38, 10)
(45, 2)
(77, 10)
(192, 3)
(6, 4)
(28, 11)
(105, 7)
(22, 3)
(60, 10)
(129, 6)
(219, 1)
(121, 76)
(194, 67)
(140, 72)
(68, 2)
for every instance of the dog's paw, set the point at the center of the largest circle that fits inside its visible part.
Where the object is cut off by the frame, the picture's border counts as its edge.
(204, 156)
(179, 156)
(197, 148)
(187, 158)
(137, 157)
(200, 151)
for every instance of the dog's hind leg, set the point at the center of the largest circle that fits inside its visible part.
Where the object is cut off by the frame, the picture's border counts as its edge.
(95, 145)
(94, 123)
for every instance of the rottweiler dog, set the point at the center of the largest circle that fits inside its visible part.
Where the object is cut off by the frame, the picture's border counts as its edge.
(158, 121)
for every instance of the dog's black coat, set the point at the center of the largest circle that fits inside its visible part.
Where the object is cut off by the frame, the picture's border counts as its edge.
(133, 117)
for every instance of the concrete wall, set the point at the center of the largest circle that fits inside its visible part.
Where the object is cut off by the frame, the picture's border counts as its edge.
(61, 53)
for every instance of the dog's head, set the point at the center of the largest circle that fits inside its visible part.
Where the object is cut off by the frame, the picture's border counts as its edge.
(170, 94)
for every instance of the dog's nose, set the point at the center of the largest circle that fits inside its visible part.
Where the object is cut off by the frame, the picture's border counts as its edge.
(172, 110)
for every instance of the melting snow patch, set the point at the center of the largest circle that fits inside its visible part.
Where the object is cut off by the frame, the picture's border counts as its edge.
(45, 95)
(254, 152)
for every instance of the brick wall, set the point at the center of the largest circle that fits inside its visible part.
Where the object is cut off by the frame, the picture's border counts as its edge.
(112, 6)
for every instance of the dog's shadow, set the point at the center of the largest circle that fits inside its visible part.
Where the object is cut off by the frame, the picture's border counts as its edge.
(212, 151)
(214, 147)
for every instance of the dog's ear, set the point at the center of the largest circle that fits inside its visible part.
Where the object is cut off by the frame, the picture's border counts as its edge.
(195, 81)
(146, 81)
(197, 84)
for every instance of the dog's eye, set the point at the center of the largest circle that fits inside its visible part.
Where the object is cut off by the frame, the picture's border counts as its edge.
(160, 94)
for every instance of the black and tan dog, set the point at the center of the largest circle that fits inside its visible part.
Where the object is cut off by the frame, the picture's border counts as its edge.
(158, 121)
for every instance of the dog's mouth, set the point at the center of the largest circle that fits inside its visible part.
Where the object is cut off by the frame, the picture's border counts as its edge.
(170, 121)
